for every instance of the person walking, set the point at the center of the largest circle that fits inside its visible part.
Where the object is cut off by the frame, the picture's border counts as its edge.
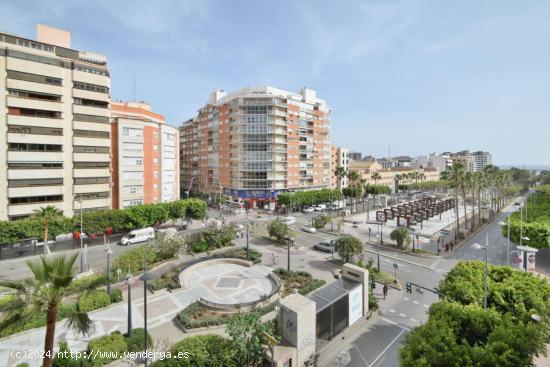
(385, 289)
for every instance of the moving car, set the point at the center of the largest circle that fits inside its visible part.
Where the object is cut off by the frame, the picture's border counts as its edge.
(308, 209)
(309, 229)
(325, 245)
(289, 220)
(138, 235)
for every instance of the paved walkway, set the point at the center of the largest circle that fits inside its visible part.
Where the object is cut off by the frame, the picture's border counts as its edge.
(162, 307)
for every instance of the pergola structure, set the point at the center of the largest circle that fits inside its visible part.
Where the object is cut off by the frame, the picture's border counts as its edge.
(416, 211)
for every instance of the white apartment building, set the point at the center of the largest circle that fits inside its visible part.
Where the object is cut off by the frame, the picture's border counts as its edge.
(480, 160)
(439, 162)
(340, 157)
(145, 156)
(55, 132)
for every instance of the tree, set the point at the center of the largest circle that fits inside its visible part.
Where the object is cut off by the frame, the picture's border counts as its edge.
(467, 335)
(46, 215)
(247, 335)
(402, 236)
(348, 247)
(52, 280)
(202, 351)
(456, 177)
(279, 230)
(340, 172)
(353, 178)
(320, 221)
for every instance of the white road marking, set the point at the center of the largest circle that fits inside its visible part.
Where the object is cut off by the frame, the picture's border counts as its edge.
(387, 347)
(406, 298)
(426, 306)
(402, 315)
(414, 320)
(392, 310)
(416, 302)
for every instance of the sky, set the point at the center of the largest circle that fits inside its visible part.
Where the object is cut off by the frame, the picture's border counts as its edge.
(413, 76)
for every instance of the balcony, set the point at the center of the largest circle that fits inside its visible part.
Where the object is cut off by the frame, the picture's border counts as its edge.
(90, 157)
(34, 87)
(34, 138)
(87, 110)
(37, 104)
(24, 209)
(90, 204)
(85, 94)
(18, 192)
(20, 174)
(82, 76)
(36, 67)
(91, 172)
(82, 189)
(92, 142)
(35, 156)
(35, 121)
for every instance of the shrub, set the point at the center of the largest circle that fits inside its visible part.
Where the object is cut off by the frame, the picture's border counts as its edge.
(200, 246)
(402, 236)
(37, 320)
(201, 351)
(107, 346)
(116, 295)
(321, 221)
(133, 259)
(93, 300)
(135, 342)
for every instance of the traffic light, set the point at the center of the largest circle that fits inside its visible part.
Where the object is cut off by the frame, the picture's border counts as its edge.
(373, 282)
(409, 287)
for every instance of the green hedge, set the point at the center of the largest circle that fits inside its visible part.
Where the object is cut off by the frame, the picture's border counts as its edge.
(195, 316)
(312, 197)
(97, 221)
(107, 346)
(135, 342)
(201, 351)
(537, 226)
(37, 320)
(93, 301)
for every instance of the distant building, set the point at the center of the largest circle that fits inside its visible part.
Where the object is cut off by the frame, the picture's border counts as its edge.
(356, 156)
(339, 158)
(145, 156)
(480, 160)
(441, 162)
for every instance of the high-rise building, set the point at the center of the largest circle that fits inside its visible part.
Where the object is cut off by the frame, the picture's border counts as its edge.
(339, 158)
(55, 133)
(356, 156)
(480, 160)
(255, 143)
(440, 162)
(145, 156)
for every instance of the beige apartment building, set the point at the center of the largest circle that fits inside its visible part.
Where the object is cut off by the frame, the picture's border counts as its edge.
(365, 169)
(145, 156)
(339, 157)
(256, 142)
(55, 131)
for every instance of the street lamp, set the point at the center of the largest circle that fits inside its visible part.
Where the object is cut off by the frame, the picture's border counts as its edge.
(81, 239)
(190, 185)
(145, 277)
(369, 234)
(109, 252)
(129, 282)
(502, 223)
(477, 246)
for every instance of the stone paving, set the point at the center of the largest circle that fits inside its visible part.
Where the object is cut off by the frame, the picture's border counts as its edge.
(162, 307)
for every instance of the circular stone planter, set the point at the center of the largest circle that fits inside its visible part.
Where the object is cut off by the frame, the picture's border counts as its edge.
(231, 285)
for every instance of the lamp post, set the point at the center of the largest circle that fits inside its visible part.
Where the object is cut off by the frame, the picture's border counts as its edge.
(129, 282)
(247, 235)
(477, 246)
(190, 185)
(369, 234)
(109, 252)
(81, 239)
(507, 224)
(145, 277)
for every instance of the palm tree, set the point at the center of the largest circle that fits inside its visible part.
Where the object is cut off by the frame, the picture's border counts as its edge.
(469, 187)
(375, 176)
(353, 177)
(47, 214)
(52, 280)
(456, 177)
(340, 172)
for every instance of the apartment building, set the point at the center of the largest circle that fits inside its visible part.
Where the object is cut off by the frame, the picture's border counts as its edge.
(480, 160)
(440, 162)
(256, 142)
(55, 133)
(339, 158)
(145, 156)
(366, 169)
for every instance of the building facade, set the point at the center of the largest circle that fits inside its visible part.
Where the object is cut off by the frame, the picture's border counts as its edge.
(340, 157)
(55, 132)
(255, 143)
(366, 169)
(145, 156)
(440, 162)
(480, 160)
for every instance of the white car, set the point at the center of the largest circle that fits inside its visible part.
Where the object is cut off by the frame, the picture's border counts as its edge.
(319, 207)
(309, 229)
(138, 235)
(289, 220)
(308, 209)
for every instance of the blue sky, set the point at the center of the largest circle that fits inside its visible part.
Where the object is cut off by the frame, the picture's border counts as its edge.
(421, 76)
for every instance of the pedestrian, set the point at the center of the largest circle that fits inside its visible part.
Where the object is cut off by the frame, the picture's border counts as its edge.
(385, 289)
(452, 244)
(447, 247)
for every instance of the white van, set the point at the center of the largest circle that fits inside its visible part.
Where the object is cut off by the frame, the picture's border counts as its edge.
(138, 235)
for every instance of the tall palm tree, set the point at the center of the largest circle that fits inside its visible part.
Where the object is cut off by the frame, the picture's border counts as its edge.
(456, 176)
(46, 215)
(340, 172)
(375, 177)
(353, 178)
(397, 178)
(52, 280)
(469, 187)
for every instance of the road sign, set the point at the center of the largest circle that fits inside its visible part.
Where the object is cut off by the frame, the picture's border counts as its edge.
(395, 266)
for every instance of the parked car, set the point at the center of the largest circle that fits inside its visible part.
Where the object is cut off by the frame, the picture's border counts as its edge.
(325, 245)
(517, 203)
(289, 220)
(308, 209)
(309, 229)
(138, 235)
(319, 207)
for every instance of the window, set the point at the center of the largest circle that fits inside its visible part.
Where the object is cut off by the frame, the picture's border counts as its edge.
(91, 103)
(35, 78)
(91, 70)
(90, 118)
(91, 165)
(91, 180)
(91, 134)
(34, 130)
(33, 113)
(94, 195)
(24, 147)
(86, 149)
(133, 190)
(36, 199)
(25, 165)
(155, 187)
(155, 160)
(35, 182)
(139, 162)
(132, 132)
(156, 174)
(155, 148)
(91, 87)
(34, 95)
